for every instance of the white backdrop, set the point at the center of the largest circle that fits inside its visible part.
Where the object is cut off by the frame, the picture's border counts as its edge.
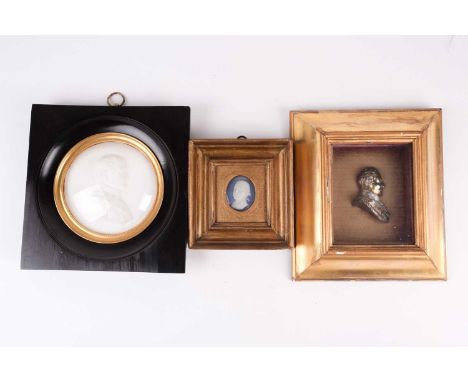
(234, 86)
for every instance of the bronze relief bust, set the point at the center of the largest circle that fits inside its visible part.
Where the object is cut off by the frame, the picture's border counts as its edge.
(371, 187)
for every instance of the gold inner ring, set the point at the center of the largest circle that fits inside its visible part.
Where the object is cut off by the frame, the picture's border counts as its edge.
(59, 188)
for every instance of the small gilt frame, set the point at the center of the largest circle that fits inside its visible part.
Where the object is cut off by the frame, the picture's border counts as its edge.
(269, 221)
(315, 257)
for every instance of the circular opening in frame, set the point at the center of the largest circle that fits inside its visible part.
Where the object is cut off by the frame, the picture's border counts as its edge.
(108, 188)
(240, 193)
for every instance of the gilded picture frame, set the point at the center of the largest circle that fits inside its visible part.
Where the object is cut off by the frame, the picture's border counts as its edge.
(241, 194)
(316, 256)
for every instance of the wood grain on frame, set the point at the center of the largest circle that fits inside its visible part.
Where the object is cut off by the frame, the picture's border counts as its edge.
(47, 241)
(315, 256)
(269, 222)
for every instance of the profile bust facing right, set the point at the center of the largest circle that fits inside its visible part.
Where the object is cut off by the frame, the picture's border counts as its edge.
(240, 193)
(371, 187)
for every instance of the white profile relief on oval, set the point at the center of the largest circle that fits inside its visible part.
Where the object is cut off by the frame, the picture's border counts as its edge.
(240, 193)
(110, 187)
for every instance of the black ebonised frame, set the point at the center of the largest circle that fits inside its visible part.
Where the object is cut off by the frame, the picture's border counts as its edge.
(49, 244)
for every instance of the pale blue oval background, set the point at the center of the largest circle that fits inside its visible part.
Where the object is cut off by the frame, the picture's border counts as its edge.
(230, 190)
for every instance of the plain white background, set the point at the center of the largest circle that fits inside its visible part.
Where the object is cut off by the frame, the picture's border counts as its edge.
(234, 86)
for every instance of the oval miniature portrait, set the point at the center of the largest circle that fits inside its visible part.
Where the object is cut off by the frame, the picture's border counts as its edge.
(240, 193)
(108, 188)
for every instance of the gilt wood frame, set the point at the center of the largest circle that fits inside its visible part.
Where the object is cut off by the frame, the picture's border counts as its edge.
(272, 158)
(314, 256)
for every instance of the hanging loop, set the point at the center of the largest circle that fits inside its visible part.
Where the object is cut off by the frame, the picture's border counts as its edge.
(241, 137)
(113, 99)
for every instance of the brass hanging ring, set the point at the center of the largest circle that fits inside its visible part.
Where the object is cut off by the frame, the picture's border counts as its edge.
(112, 102)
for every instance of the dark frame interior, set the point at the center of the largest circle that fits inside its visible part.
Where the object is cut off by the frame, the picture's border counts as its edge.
(352, 225)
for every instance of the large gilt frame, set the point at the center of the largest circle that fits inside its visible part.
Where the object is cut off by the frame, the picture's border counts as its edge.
(315, 257)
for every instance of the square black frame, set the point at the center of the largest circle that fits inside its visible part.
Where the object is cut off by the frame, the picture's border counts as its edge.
(59, 127)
